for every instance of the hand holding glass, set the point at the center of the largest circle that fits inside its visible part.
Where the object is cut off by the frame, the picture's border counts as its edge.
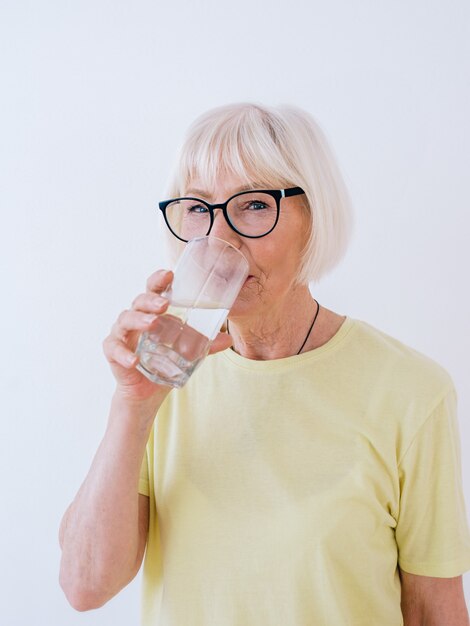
(208, 278)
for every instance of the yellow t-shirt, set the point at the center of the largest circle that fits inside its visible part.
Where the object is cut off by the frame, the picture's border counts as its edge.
(285, 492)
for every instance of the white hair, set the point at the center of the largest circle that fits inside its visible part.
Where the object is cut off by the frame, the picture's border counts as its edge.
(273, 148)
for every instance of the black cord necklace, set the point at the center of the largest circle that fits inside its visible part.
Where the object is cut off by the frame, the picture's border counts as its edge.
(309, 330)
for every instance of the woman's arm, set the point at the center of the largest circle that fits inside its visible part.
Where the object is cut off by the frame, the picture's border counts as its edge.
(430, 601)
(103, 533)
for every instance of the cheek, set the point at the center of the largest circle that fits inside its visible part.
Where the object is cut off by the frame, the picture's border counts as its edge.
(278, 255)
(278, 263)
(267, 257)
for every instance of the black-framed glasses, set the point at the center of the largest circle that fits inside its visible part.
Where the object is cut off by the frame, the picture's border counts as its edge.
(251, 214)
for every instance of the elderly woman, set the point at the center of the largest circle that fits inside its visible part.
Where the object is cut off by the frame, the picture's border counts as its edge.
(308, 474)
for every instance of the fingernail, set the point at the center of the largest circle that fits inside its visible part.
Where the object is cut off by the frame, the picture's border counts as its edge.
(131, 359)
(150, 318)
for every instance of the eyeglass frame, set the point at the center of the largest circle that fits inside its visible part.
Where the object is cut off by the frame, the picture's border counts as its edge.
(277, 194)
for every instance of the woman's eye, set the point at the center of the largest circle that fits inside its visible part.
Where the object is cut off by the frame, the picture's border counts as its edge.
(256, 206)
(198, 208)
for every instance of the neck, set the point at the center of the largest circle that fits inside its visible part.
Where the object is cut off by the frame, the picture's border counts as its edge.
(277, 331)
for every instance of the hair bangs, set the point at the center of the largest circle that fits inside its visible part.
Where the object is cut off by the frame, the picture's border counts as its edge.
(243, 145)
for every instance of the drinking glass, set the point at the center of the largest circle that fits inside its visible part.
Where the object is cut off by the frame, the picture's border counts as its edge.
(206, 283)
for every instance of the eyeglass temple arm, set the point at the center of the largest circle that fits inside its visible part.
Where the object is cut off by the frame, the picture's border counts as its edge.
(293, 191)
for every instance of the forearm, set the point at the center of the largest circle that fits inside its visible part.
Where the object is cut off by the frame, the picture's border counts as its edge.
(100, 531)
(432, 601)
(454, 617)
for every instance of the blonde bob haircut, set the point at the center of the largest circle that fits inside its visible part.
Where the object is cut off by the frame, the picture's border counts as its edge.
(272, 148)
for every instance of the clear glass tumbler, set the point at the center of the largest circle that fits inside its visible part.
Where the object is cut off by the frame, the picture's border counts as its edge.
(207, 280)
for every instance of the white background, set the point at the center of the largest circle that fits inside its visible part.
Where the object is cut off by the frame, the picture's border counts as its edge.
(95, 96)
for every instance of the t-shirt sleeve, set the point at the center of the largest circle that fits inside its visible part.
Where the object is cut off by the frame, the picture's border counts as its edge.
(144, 483)
(432, 532)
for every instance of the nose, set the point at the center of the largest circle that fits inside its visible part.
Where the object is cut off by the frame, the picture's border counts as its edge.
(222, 229)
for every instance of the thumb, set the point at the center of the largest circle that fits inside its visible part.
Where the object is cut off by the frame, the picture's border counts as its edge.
(221, 342)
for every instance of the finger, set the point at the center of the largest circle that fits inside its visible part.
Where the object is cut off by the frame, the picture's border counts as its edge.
(129, 321)
(221, 342)
(159, 281)
(150, 303)
(117, 352)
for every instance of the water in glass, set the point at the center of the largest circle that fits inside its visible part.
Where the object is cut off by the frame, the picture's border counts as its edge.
(178, 342)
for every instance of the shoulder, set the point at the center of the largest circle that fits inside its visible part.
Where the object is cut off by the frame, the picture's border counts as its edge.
(398, 387)
(403, 365)
(395, 385)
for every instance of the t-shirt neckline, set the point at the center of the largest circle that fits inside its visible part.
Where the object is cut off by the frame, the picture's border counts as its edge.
(310, 355)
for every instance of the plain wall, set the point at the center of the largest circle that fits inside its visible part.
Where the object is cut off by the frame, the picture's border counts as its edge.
(95, 98)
